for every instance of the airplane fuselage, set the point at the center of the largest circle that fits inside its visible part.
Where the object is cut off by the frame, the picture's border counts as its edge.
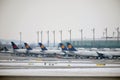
(53, 52)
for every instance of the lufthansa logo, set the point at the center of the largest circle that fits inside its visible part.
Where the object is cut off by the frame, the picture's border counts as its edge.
(69, 46)
(63, 46)
(42, 46)
(27, 46)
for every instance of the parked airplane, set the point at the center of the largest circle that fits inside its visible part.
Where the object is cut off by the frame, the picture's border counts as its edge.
(64, 49)
(82, 53)
(17, 51)
(5, 50)
(46, 51)
(32, 52)
(109, 54)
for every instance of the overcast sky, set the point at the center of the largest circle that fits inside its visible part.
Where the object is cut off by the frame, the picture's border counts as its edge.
(30, 16)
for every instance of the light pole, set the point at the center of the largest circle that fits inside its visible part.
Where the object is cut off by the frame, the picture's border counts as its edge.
(61, 35)
(20, 38)
(48, 37)
(54, 37)
(106, 33)
(70, 34)
(93, 36)
(41, 36)
(81, 34)
(113, 34)
(81, 31)
(37, 36)
(118, 33)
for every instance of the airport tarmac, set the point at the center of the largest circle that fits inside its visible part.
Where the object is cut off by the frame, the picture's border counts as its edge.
(11, 57)
(91, 72)
(56, 78)
(31, 66)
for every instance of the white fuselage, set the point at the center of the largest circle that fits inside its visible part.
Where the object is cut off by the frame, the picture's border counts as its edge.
(35, 51)
(110, 53)
(53, 52)
(83, 53)
(6, 51)
(20, 50)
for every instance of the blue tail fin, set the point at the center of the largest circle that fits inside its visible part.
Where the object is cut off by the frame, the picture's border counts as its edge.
(42, 46)
(100, 55)
(62, 46)
(14, 45)
(70, 47)
(27, 46)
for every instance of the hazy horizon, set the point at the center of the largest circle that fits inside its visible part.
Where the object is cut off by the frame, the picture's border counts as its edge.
(30, 16)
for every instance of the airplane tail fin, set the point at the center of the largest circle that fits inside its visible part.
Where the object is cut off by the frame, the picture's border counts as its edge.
(14, 45)
(27, 46)
(100, 55)
(6, 49)
(42, 46)
(62, 46)
(70, 47)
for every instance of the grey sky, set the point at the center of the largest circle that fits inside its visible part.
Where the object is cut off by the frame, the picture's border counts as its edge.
(29, 16)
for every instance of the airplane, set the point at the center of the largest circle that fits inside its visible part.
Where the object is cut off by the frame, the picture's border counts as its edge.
(5, 50)
(109, 54)
(82, 53)
(64, 49)
(17, 51)
(32, 52)
(2, 48)
(53, 52)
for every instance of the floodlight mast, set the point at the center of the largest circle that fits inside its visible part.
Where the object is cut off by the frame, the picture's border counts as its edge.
(61, 35)
(118, 34)
(41, 35)
(37, 36)
(70, 34)
(54, 38)
(20, 38)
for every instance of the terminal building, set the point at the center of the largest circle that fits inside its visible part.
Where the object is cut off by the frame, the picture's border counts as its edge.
(98, 43)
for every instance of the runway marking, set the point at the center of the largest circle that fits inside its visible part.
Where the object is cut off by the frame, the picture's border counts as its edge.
(100, 65)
